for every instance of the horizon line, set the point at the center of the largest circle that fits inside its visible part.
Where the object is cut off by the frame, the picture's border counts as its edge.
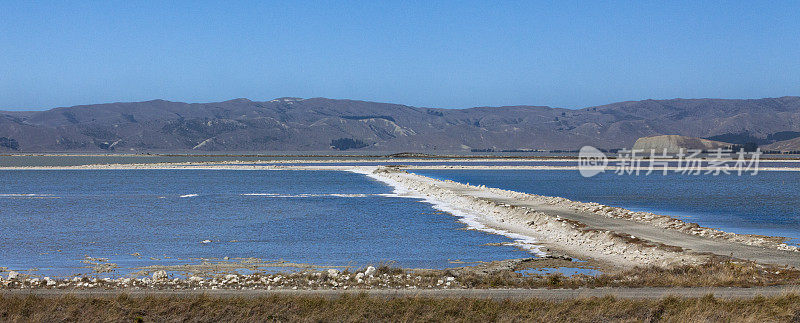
(385, 102)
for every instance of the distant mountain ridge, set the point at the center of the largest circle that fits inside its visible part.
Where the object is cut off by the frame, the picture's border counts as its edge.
(318, 124)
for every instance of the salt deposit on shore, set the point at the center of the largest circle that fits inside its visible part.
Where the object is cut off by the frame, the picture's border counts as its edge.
(555, 232)
(615, 248)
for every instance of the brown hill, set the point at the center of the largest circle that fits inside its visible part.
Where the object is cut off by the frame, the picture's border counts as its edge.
(674, 143)
(292, 124)
(785, 145)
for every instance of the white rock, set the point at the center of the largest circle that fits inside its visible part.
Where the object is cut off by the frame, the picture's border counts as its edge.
(195, 279)
(359, 275)
(370, 271)
(12, 275)
(160, 275)
(333, 273)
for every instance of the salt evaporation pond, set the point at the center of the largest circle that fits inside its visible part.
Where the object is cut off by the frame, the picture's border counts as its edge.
(54, 219)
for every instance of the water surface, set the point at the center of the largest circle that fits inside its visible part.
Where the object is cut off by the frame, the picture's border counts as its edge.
(52, 220)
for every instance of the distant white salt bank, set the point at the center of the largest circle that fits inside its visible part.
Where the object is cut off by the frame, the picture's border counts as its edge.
(28, 196)
(309, 195)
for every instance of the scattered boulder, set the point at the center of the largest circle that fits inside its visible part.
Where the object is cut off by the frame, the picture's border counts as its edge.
(370, 271)
(160, 275)
(333, 273)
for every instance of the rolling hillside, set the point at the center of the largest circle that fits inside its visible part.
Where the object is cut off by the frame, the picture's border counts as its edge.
(318, 124)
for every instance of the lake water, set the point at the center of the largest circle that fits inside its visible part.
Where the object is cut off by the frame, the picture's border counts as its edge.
(52, 220)
(74, 160)
(767, 203)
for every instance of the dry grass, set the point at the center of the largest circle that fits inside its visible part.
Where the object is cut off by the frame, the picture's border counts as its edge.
(364, 308)
(714, 273)
(711, 274)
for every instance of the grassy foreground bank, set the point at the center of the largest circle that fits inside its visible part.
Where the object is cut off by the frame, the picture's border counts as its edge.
(364, 308)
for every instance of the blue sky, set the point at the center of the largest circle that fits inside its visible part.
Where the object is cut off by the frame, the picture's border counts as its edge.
(427, 53)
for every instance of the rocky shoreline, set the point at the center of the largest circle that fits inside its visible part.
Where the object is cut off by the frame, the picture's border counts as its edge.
(225, 276)
(508, 274)
(161, 279)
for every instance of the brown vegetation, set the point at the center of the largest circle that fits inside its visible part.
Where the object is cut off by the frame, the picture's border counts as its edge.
(713, 273)
(363, 308)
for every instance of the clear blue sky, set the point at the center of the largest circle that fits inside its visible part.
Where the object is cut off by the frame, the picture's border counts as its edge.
(427, 53)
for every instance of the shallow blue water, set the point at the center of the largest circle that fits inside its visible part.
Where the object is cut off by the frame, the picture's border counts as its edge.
(115, 213)
(559, 163)
(767, 203)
